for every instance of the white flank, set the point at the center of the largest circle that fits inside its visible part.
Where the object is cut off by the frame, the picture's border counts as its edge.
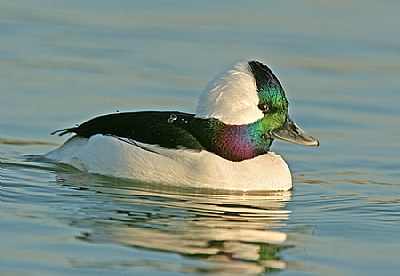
(110, 156)
(231, 97)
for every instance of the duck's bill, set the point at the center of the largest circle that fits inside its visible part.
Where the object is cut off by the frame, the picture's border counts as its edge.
(291, 132)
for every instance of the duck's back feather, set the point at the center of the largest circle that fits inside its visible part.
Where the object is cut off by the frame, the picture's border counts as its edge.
(167, 129)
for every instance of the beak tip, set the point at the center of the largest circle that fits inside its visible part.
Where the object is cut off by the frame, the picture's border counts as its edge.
(314, 143)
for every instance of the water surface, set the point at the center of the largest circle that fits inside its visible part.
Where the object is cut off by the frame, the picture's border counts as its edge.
(62, 63)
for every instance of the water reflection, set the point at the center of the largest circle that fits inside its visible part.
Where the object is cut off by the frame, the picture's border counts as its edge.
(232, 232)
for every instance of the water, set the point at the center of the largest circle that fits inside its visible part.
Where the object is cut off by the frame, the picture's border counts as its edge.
(63, 62)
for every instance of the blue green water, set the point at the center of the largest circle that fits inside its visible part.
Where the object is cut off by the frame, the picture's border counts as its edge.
(63, 62)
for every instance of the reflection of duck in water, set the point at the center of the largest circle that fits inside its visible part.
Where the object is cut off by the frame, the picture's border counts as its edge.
(234, 237)
(227, 233)
(224, 145)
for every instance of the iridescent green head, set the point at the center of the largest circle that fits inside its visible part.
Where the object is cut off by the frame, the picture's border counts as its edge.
(248, 110)
(272, 100)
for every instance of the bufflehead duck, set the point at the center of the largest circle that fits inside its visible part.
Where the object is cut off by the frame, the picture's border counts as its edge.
(225, 145)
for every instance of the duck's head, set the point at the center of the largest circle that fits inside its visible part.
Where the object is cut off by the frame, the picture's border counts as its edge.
(249, 99)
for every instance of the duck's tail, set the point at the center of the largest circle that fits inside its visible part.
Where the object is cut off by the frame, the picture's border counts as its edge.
(64, 131)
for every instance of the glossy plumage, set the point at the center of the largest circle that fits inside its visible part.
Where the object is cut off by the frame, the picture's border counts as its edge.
(224, 145)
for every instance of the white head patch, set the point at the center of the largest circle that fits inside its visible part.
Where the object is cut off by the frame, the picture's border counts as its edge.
(231, 97)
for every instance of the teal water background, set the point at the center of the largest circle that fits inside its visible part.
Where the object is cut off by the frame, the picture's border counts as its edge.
(63, 62)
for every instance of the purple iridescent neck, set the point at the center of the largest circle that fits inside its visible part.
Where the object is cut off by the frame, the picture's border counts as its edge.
(240, 142)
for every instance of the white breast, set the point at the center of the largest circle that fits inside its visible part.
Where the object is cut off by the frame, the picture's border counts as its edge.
(110, 156)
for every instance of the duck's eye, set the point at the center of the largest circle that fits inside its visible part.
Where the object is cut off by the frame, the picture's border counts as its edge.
(263, 107)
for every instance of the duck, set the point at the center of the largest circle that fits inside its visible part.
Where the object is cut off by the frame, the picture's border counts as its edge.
(224, 145)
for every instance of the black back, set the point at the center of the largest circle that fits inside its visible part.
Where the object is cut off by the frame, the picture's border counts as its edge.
(166, 129)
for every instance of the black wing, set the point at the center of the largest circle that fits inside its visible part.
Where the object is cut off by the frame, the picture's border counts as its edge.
(166, 129)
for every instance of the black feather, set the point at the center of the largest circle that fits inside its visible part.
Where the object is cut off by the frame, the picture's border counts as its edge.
(166, 129)
(62, 132)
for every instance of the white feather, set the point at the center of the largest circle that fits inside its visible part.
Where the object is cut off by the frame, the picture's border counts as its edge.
(231, 97)
(110, 156)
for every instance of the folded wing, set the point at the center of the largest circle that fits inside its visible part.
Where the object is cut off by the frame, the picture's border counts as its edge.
(165, 129)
